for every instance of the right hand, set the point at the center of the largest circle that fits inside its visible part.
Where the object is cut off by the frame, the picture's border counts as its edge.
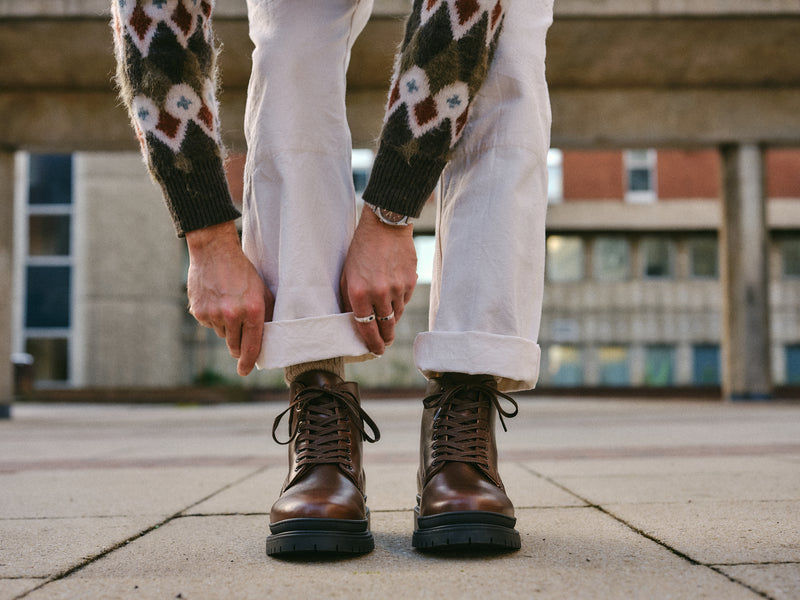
(226, 293)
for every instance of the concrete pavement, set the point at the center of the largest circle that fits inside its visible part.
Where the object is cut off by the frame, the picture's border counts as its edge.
(616, 499)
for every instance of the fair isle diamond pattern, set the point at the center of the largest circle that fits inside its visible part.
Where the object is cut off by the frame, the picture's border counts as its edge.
(427, 111)
(465, 14)
(166, 75)
(169, 123)
(141, 20)
(166, 115)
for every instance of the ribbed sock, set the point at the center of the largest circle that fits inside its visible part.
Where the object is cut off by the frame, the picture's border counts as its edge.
(332, 365)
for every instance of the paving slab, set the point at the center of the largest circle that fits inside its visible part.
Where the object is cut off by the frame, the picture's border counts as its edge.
(567, 553)
(46, 547)
(721, 532)
(780, 582)
(12, 588)
(685, 487)
(773, 464)
(102, 492)
(716, 482)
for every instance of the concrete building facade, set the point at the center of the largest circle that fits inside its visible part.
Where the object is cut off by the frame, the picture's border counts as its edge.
(707, 83)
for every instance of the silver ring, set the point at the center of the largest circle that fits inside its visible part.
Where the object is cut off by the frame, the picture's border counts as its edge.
(388, 317)
(368, 319)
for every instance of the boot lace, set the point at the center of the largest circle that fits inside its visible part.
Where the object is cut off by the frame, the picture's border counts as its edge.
(461, 422)
(319, 424)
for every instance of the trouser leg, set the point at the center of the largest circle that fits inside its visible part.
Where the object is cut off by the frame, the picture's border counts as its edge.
(486, 295)
(299, 202)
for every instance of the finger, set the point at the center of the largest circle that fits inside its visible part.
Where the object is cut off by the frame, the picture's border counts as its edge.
(346, 306)
(250, 347)
(386, 322)
(233, 338)
(218, 329)
(369, 331)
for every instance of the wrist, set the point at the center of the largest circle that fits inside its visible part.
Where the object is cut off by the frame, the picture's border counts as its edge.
(212, 238)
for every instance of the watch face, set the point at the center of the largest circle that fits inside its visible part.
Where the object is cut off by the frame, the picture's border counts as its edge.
(392, 216)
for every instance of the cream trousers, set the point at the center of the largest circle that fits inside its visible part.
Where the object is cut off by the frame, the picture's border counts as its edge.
(300, 210)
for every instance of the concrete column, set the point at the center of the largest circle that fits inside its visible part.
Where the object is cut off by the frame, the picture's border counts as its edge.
(744, 243)
(6, 275)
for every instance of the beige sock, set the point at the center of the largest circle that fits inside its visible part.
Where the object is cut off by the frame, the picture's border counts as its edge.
(332, 365)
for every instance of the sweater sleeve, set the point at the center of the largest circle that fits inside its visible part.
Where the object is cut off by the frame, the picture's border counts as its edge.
(441, 65)
(166, 75)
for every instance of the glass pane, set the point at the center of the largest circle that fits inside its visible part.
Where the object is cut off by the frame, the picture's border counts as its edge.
(48, 294)
(659, 365)
(425, 246)
(48, 235)
(639, 180)
(612, 259)
(614, 366)
(703, 257)
(50, 179)
(638, 157)
(793, 363)
(706, 367)
(790, 252)
(49, 358)
(564, 258)
(657, 257)
(555, 174)
(564, 366)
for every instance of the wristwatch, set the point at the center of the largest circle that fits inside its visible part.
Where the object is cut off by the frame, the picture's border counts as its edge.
(388, 217)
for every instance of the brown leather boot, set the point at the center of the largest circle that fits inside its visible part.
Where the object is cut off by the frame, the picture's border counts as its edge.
(462, 503)
(322, 506)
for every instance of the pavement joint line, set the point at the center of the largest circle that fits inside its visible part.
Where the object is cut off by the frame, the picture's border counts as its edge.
(103, 553)
(755, 563)
(648, 536)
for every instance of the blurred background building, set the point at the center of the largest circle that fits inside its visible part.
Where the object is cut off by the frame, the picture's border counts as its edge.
(673, 227)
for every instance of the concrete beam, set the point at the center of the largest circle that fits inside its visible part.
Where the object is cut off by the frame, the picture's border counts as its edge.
(399, 8)
(621, 118)
(745, 275)
(629, 118)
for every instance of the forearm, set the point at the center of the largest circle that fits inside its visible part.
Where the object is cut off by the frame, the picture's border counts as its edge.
(442, 64)
(167, 80)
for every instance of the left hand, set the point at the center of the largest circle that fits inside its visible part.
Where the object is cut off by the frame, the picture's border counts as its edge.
(379, 276)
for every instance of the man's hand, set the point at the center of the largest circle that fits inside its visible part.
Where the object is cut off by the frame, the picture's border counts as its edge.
(378, 277)
(226, 293)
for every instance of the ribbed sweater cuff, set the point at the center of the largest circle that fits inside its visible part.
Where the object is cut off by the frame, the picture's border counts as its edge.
(200, 198)
(402, 186)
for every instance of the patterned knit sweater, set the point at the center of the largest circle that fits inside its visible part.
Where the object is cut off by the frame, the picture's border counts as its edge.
(167, 78)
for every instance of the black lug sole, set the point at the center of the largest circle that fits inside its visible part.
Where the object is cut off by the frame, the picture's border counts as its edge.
(329, 536)
(468, 530)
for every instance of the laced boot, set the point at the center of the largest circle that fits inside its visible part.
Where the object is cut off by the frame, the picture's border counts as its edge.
(322, 506)
(462, 503)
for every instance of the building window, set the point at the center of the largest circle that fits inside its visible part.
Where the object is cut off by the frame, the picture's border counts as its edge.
(555, 175)
(706, 365)
(640, 175)
(614, 366)
(793, 363)
(659, 365)
(612, 259)
(361, 159)
(426, 248)
(47, 266)
(564, 365)
(790, 256)
(564, 258)
(657, 258)
(704, 257)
